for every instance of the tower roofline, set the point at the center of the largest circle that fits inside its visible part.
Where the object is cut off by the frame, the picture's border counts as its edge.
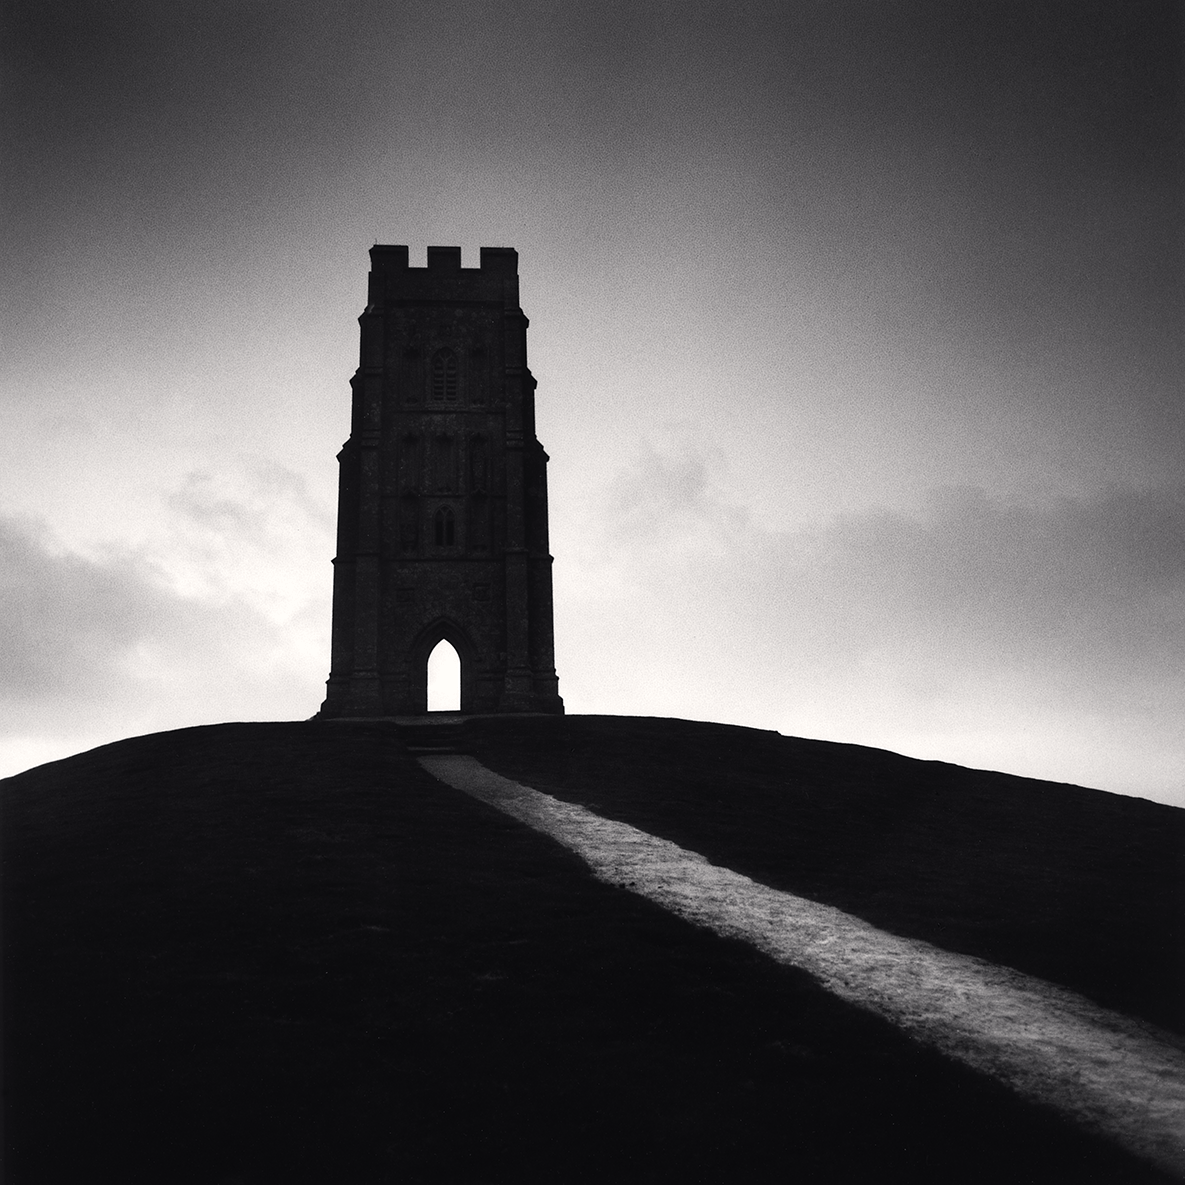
(496, 260)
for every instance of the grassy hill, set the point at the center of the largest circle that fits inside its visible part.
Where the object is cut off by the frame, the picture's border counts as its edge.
(276, 952)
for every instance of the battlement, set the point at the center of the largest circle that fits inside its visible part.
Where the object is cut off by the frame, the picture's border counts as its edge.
(501, 261)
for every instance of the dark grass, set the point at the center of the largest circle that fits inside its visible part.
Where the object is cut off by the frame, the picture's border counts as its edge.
(281, 952)
(1076, 886)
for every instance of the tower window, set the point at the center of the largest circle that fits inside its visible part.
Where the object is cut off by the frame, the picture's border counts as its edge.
(479, 464)
(409, 462)
(444, 464)
(445, 527)
(444, 376)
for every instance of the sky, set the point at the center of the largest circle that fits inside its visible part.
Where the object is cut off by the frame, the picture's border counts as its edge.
(857, 327)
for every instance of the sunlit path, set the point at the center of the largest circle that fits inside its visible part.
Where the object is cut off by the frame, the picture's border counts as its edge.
(1106, 1071)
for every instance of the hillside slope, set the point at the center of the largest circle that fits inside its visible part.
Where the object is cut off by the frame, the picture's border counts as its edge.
(1077, 886)
(276, 952)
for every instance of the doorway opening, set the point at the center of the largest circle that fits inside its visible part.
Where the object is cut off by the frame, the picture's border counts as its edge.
(444, 678)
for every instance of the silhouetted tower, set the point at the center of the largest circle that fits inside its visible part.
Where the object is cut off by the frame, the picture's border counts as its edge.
(442, 503)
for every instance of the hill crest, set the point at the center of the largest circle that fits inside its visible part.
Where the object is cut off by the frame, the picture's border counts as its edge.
(246, 884)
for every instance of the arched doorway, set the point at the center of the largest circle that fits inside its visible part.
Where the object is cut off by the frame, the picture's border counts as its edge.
(444, 678)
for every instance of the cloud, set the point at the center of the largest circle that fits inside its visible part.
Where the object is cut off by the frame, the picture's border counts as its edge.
(1042, 639)
(222, 616)
(67, 620)
(668, 504)
(249, 529)
(1082, 582)
(1047, 639)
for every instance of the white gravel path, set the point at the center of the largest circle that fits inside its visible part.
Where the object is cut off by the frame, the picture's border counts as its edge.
(1106, 1071)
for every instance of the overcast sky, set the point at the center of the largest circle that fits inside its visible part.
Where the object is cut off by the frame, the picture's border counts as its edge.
(857, 327)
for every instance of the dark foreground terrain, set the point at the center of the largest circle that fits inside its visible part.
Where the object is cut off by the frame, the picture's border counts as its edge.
(281, 952)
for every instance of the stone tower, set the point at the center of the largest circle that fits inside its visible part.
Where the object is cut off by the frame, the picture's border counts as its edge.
(442, 501)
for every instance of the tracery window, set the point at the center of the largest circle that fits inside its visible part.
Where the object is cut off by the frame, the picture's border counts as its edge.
(445, 527)
(444, 376)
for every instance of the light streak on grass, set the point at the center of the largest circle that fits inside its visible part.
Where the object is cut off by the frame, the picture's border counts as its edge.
(1108, 1072)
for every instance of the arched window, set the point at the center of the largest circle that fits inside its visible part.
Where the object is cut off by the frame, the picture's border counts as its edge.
(444, 464)
(409, 527)
(479, 465)
(444, 678)
(409, 462)
(445, 527)
(478, 536)
(444, 376)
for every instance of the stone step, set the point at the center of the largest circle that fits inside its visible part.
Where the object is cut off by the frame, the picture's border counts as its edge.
(434, 739)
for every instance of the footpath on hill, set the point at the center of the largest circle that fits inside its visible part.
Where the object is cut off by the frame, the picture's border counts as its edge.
(1070, 885)
(1108, 1072)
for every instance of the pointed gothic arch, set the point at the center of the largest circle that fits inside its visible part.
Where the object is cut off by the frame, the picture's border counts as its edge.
(444, 527)
(444, 678)
(443, 630)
